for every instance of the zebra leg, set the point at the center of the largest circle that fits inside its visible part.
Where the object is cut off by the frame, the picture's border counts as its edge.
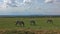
(34, 23)
(52, 22)
(23, 24)
(47, 21)
(16, 23)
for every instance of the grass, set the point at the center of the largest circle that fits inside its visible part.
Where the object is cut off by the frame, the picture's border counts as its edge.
(9, 23)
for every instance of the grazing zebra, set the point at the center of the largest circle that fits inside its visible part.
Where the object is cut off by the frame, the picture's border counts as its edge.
(50, 21)
(21, 23)
(32, 22)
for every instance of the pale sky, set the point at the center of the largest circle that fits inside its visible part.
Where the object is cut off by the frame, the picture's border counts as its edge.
(29, 7)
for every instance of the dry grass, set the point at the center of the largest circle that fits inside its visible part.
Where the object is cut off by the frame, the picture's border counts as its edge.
(28, 31)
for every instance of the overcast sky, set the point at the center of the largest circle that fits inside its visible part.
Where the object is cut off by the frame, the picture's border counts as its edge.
(29, 7)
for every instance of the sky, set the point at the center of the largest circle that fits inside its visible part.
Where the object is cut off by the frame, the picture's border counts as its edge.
(29, 7)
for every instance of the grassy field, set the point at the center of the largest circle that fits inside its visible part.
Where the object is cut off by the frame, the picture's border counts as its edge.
(7, 26)
(9, 23)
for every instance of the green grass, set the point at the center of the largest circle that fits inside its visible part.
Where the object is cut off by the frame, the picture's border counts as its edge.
(9, 23)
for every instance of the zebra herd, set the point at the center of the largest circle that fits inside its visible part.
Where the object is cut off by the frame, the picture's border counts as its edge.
(32, 22)
(21, 23)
